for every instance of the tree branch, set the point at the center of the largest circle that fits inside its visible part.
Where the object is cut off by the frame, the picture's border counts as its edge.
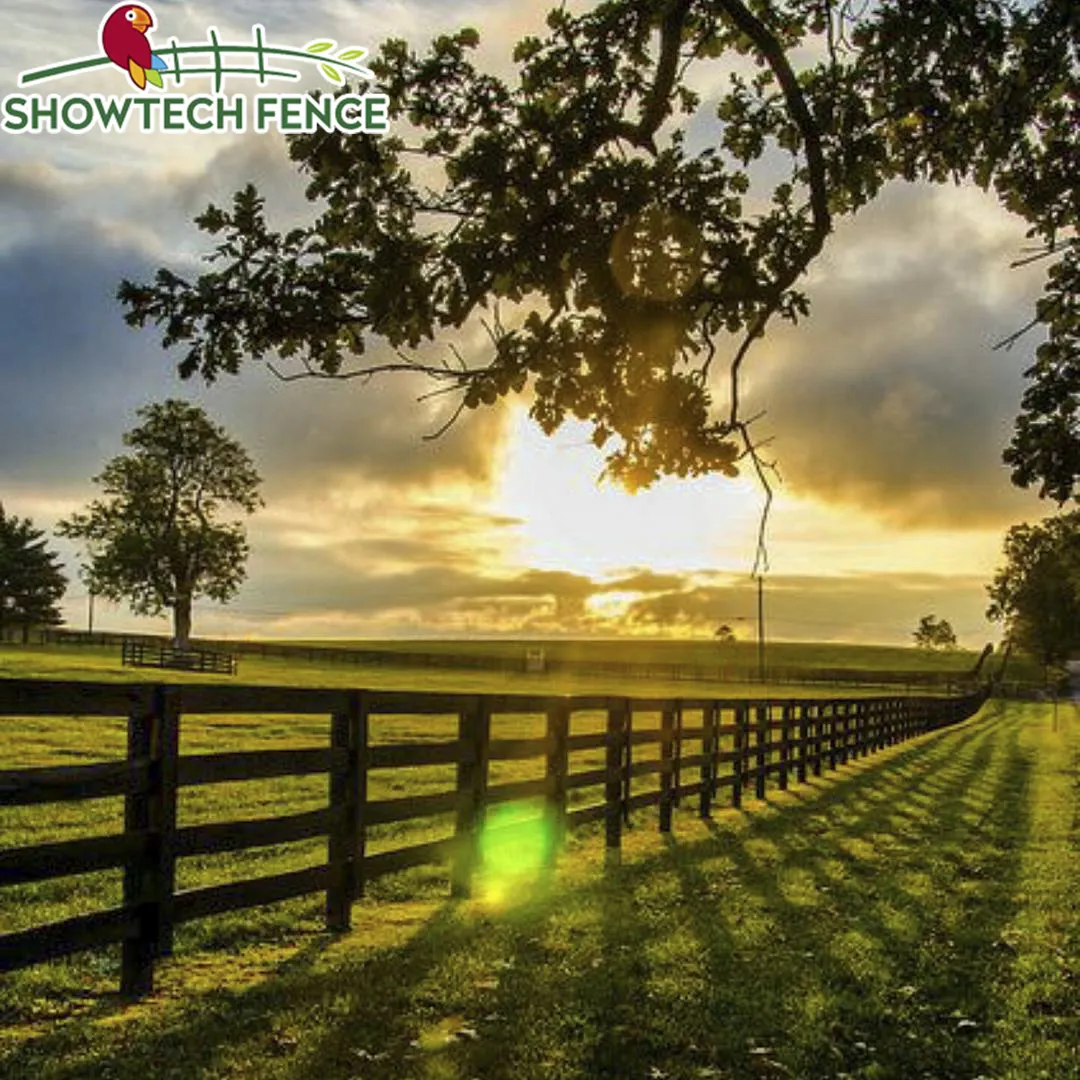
(657, 104)
(376, 369)
(774, 54)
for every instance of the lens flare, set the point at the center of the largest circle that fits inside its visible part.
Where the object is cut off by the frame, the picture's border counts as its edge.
(516, 847)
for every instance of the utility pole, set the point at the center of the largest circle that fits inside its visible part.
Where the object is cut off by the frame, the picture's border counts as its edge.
(90, 619)
(761, 627)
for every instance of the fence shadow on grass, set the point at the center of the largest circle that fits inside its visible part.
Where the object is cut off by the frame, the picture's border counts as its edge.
(857, 923)
(897, 939)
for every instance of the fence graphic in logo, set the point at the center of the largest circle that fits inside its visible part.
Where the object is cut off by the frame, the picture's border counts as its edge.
(149, 66)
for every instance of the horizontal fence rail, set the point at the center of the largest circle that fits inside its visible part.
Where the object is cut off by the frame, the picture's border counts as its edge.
(699, 749)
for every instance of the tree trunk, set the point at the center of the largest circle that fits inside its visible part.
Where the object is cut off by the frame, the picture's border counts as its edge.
(182, 622)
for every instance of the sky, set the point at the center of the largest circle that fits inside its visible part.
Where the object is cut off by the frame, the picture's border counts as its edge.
(888, 408)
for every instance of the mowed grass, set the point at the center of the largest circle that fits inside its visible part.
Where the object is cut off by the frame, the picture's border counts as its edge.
(103, 664)
(700, 652)
(912, 915)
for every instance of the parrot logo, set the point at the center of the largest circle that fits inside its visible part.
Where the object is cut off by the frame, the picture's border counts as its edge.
(124, 42)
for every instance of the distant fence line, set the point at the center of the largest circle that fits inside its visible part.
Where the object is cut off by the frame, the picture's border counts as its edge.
(734, 745)
(675, 672)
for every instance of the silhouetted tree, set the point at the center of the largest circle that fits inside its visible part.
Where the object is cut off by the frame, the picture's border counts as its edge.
(934, 633)
(32, 583)
(617, 256)
(1036, 594)
(155, 540)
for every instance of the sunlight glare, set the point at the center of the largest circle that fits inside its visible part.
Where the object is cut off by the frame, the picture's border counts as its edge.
(572, 521)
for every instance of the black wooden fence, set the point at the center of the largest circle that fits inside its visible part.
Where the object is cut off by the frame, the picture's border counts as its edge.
(705, 747)
(138, 653)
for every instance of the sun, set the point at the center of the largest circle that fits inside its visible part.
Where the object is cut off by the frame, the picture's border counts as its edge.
(573, 521)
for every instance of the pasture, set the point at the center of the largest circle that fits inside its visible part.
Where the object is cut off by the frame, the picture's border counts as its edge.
(911, 914)
(103, 663)
(702, 652)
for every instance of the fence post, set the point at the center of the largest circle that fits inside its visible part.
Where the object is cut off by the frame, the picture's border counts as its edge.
(708, 743)
(677, 754)
(347, 741)
(667, 758)
(613, 783)
(167, 709)
(832, 734)
(363, 741)
(148, 879)
(785, 748)
(627, 759)
(474, 734)
(845, 731)
(738, 752)
(558, 766)
(819, 739)
(804, 738)
(761, 741)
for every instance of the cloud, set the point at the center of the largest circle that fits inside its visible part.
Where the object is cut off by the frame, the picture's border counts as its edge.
(69, 367)
(644, 581)
(74, 373)
(311, 592)
(857, 607)
(29, 187)
(889, 397)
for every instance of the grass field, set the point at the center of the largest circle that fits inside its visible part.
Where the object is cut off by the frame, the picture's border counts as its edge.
(103, 663)
(913, 915)
(702, 651)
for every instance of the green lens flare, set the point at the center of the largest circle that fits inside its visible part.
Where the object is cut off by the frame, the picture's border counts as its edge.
(516, 844)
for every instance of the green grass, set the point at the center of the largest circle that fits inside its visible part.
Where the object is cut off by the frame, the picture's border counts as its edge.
(914, 915)
(103, 664)
(699, 652)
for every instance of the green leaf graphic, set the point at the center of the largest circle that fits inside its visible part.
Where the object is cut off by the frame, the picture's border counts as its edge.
(154, 77)
(352, 54)
(318, 46)
(331, 73)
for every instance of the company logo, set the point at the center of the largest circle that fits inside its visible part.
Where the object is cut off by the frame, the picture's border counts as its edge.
(128, 40)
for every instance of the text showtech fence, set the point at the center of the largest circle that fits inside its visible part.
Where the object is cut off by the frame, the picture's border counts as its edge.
(179, 65)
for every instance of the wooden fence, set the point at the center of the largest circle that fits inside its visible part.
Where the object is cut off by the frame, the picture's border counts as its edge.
(151, 654)
(730, 746)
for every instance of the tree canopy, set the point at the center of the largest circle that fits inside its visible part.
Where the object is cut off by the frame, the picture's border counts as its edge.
(156, 538)
(618, 256)
(934, 633)
(31, 580)
(1036, 594)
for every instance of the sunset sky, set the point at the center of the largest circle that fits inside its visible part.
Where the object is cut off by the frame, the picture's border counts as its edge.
(888, 408)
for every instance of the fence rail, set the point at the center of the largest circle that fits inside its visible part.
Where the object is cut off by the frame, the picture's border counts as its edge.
(731, 745)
